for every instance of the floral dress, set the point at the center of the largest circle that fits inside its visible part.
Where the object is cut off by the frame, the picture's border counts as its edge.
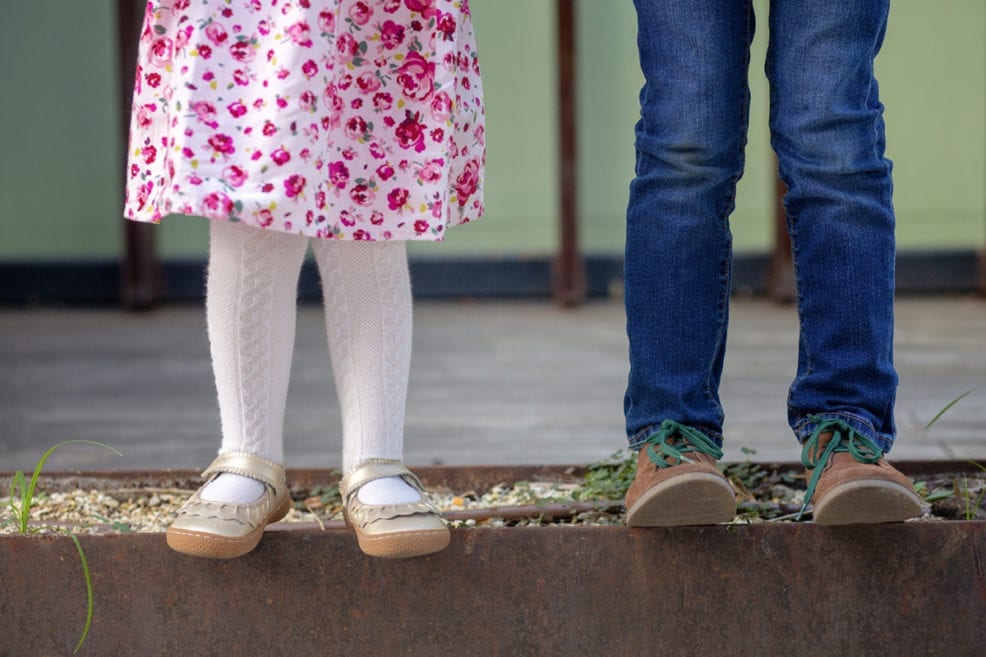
(338, 119)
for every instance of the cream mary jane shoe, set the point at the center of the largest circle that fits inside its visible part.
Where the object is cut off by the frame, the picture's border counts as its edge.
(222, 531)
(392, 530)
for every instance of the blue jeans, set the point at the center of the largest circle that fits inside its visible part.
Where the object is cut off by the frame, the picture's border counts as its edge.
(827, 129)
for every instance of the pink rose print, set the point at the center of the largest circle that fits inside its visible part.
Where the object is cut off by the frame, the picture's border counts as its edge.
(216, 33)
(355, 128)
(217, 206)
(234, 175)
(144, 193)
(397, 198)
(307, 101)
(416, 76)
(280, 156)
(161, 52)
(385, 172)
(222, 144)
(242, 51)
(260, 96)
(183, 37)
(441, 106)
(339, 174)
(293, 185)
(391, 34)
(327, 22)
(206, 113)
(237, 109)
(446, 25)
(425, 7)
(145, 115)
(410, 133)
(468, 181)
(360, 13)
(362, 195)
(346, 47)
(383, 101)
(368, 82)
(431, 172)
(300, 34)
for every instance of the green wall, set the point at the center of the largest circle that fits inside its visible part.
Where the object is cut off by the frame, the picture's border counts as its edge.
(60, 175)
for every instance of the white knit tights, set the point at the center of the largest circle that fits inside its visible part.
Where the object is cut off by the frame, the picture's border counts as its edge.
(250, 310)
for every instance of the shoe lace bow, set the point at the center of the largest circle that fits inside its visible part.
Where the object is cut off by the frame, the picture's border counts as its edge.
(674, 440)
(844, 439)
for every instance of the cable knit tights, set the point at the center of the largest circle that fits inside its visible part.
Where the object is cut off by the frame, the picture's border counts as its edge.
(250, 311)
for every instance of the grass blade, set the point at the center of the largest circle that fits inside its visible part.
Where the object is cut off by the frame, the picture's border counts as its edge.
(89, 596)
(17, 487)
(28, 496)
(951, 404)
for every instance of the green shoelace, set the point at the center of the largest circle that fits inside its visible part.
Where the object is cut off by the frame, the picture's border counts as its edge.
(684, 439)
(844, 439)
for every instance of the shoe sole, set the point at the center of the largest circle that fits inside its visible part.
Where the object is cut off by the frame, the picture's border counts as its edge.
(696, 498)
(215, 546)
(400, 545)
(867, 501)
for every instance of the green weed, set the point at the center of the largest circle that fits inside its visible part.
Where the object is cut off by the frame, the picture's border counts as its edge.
(25, 492)
(973, 502)
(952, 403)
(610, 478)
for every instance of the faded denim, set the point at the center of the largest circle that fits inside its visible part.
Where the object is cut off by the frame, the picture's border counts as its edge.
(827, 128)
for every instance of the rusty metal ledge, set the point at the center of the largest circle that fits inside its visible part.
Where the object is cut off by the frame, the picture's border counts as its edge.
(910, 589)
(907, 589)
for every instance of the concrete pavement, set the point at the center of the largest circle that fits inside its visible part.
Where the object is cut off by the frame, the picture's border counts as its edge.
(491, 382)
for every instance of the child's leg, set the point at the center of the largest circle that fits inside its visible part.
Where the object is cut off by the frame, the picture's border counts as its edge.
(367, 295)
(250, 309)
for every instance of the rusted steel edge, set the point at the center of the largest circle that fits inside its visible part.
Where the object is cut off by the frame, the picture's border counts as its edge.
(758, 589)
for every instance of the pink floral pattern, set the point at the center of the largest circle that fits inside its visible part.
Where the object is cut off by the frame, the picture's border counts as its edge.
(338, 119)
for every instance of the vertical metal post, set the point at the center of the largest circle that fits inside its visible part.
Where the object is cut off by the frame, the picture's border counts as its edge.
(569, 285)
(141, 280)
(780, 273)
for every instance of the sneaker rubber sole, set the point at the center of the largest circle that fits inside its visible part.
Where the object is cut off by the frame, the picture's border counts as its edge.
(867, 501)
(696, 498)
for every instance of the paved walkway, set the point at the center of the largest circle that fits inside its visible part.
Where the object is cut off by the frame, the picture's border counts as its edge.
(491, 382)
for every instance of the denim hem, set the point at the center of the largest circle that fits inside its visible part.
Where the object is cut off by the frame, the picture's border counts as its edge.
(639, 439)
(804, 427)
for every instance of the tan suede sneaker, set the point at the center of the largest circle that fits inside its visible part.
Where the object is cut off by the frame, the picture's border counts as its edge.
(851, 482)
(677, 482)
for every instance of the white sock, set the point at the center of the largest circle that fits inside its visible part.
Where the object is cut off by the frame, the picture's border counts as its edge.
(250, 310)
(367, 294)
